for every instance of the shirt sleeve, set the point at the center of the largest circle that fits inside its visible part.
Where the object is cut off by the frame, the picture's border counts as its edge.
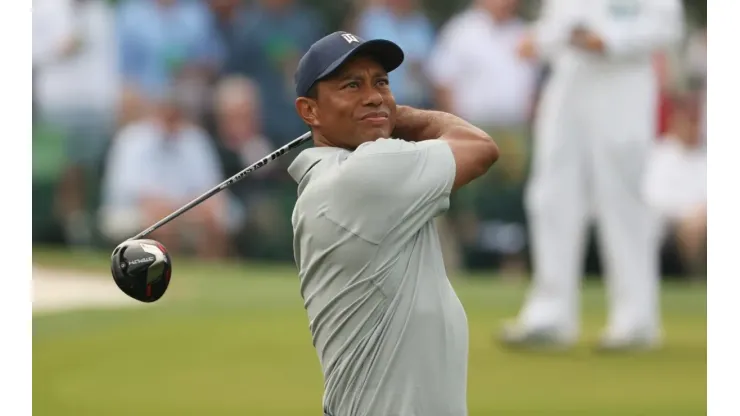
(655, 25)
(393, 188)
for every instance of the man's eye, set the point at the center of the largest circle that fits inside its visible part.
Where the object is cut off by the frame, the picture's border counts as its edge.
(383, 82)
(353, 84)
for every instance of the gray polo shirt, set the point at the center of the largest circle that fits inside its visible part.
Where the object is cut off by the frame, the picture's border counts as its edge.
(389, 330)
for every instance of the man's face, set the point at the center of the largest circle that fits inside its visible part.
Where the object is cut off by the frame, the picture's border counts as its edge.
(355, 105)
(237, 121)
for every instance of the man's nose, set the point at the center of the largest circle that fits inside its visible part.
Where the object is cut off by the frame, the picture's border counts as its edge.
(373, 98)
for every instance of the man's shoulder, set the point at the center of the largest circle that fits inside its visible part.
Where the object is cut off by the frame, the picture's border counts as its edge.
(379, 162)
(381, 146)
(390, 163)
(391, 146)
(309, 158)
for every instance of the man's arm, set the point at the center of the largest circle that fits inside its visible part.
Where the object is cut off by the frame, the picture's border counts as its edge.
(474, 150)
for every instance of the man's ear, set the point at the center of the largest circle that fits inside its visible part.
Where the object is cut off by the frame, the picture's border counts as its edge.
(308, 111)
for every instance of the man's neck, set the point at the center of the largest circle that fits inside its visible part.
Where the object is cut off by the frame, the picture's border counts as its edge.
(320, 141)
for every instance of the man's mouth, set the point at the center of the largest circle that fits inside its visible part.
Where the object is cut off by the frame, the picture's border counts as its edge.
(375, 117)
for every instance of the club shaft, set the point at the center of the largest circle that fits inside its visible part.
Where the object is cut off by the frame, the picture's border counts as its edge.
(225, 184)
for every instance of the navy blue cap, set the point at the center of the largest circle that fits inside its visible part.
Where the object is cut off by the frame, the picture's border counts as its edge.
(331, 51)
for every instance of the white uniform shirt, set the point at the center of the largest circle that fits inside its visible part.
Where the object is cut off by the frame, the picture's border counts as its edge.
(631, 29)
(476, 59)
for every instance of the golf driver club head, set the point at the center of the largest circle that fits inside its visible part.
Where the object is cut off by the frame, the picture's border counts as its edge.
(141, 269)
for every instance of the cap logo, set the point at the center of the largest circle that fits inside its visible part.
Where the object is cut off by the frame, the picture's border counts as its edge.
(350, 38)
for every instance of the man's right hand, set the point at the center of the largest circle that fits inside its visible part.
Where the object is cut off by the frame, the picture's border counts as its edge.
(473, 149)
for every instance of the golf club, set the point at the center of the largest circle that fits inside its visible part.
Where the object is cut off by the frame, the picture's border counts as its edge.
(142, 268)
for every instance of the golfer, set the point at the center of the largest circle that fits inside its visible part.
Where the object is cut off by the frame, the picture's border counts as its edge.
(390, 332)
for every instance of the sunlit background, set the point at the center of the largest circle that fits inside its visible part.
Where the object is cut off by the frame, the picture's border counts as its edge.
(231, 336)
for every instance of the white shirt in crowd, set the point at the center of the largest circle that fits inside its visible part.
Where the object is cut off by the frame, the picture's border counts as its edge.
(143, 161)
(676, 180)
(52, 22)
(476, 59)
(89, 78)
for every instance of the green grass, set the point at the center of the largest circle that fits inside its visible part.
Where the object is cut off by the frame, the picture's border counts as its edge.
(233, 339)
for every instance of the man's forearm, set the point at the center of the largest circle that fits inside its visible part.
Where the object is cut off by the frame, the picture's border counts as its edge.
(416, 125)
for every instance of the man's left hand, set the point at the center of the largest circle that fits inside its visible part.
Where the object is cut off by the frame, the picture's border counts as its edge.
(587, 40)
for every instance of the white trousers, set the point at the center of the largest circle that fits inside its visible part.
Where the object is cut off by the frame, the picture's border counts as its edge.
(589, 165)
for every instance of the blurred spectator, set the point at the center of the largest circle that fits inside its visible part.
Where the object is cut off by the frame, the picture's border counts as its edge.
(403, 22)
(475, 68)
(132, 106)
(676, 183)
(53, 31)
(228, 18)
(478, 76)
(155, 166)
(238, 109)
(75, 89)
(664, 102)
(696, 63)
(241, 143)
(274, 36)
(166, 42)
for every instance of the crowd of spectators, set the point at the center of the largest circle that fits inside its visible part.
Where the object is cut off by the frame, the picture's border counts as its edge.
(157, 101)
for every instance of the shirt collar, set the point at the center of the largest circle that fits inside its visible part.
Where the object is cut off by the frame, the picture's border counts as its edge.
(308, 158)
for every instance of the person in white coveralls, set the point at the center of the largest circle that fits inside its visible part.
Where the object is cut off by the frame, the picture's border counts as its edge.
(595, 125)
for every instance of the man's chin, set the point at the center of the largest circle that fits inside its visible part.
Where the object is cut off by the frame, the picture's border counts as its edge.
(377, 133)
